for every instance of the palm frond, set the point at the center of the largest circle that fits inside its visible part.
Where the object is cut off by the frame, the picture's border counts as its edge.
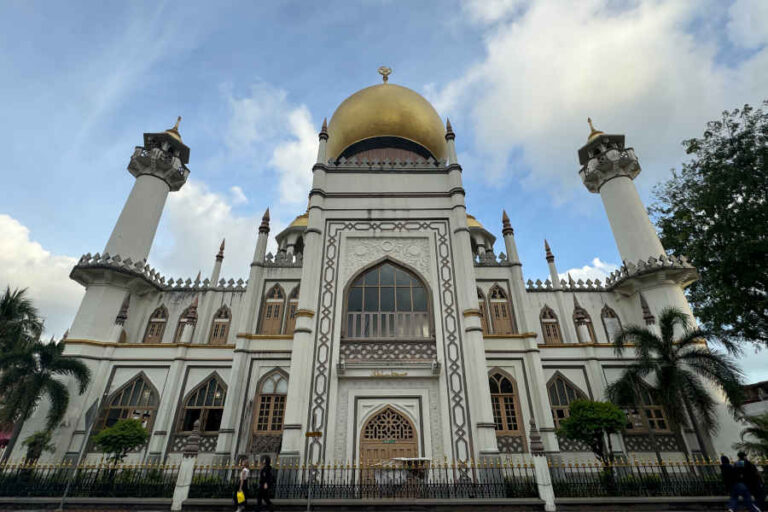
(700, 400)
(70, 366)
(669, 317)
(645, 341)
(720, 369)
(58, 396)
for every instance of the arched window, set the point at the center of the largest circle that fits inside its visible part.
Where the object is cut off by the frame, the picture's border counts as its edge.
(220, 327)
(387, 301)
(561, 393)
(501, 311)
(293, 305)
(550, 327)
(271, 404)
(272, 311)
(483, 312)
(611, 323)
(505, 404)
(204, 403)
(187, 321)
(654, 414)
(156, 325)
(585, 331)
(137, 399)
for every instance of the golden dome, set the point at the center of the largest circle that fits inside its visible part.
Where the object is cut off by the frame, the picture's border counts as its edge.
(386, 110)
(472, 222)
(300, 221)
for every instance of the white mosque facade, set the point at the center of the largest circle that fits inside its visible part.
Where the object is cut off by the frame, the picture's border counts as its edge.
(385, 326)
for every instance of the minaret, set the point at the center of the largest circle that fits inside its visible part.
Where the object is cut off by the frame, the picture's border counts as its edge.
(450, 138)
(552, 268)
(321, 147)
(159, 168)
(608, 168)
(263, 238)
(217, 266)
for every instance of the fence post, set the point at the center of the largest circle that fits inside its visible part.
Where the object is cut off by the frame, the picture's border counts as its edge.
(187, 469)
(541, 469)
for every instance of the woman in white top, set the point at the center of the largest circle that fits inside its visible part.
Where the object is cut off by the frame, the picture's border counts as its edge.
(244, 474)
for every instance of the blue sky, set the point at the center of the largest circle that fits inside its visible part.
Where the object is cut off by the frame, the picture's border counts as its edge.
(82, 81)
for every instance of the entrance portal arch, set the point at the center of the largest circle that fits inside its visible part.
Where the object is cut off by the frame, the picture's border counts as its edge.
(386, 435)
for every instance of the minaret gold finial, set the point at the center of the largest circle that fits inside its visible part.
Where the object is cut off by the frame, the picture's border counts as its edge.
(592, 131)
(174, 132)
(385, 71)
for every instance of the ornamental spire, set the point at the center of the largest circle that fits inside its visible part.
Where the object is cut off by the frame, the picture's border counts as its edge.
(506, 226)
(174, 132)
(220, 256)
(324, 130)
(122, 315)
(449, 135)
(548, 251)
(264, 227)
(385, 71)
(592, 131)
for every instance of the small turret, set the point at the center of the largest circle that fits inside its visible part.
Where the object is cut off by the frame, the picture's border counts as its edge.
(217, 265)
(552, 268)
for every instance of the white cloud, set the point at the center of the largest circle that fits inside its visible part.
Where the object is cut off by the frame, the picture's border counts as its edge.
(748, 23)
(632, 67)
(194, 223)
(597, 270)
(266, 122)
(238, 196)
(489, 11)
(24, 263)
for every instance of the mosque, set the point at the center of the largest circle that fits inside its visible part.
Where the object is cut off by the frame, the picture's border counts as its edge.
(386, 324)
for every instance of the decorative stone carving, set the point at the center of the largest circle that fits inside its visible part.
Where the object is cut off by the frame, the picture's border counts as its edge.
(642, 443)
(207, 442)
(572, 445)
(511, 444)
(606, 158)
(361, 252)
(388, 351)
(266, 443)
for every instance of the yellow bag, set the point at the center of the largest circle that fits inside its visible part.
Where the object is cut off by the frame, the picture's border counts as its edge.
(240, 497)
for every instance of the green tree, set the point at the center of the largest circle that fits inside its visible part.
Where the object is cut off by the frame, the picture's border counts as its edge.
(757, 429)
(30, 369)
(683, 367)
(38, 443)
(121, 438)
(592, 423)
(715, 212)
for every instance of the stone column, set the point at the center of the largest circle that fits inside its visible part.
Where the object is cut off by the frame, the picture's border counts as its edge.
(187, 469)
(566, 326)
(541, 469)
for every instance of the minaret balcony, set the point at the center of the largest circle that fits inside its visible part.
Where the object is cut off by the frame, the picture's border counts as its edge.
(159, 163)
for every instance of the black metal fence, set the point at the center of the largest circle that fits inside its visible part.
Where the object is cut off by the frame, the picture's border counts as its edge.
(348, 481)
(637, 479)
(103, 480)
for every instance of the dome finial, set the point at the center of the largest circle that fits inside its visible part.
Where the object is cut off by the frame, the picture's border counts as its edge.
(592, 131)
(385, 71)
(174, 132)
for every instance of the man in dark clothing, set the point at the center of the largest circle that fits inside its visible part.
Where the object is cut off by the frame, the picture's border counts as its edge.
(266, 482)
(745, 481)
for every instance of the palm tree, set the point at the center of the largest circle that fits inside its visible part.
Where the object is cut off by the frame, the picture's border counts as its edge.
(31, 369)
(18, 319)
(682, 366)
(758, 430)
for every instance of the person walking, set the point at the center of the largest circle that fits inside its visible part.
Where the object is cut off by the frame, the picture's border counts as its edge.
(243, 488)
(266, 483)
(744, 479)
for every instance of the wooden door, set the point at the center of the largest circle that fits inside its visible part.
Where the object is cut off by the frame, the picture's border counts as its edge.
(387, 435)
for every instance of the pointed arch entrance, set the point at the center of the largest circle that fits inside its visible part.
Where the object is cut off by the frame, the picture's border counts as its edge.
(386, 435)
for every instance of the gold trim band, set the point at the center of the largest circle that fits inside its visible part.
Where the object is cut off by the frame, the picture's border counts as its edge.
(305, 312)
(472, 312)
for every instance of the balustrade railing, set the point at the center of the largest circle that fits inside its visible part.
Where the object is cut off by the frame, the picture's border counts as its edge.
(348, 481)
(387, 325)
(637, 479)
(102, 480)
